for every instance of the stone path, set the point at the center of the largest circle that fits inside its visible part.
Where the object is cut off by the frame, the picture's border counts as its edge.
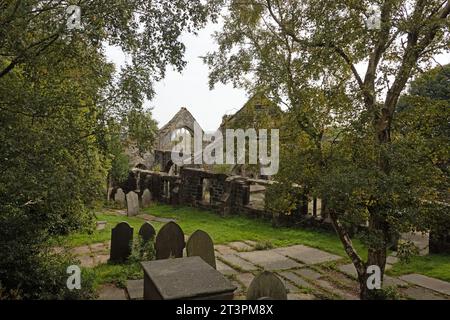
(92, 255)
(306, 272)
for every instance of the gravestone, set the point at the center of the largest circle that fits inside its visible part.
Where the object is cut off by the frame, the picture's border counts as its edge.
(266, 286)
(132, 204)
(169, 242)
(146, 198)
(200, 244)
(147, 232)
(121, 238)
(119, 197)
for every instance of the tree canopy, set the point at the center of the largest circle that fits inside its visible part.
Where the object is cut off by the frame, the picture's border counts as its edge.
(340, 79)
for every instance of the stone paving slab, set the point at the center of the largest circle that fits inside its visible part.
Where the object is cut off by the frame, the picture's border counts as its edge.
(350, 270)
(328, 286)
(101, 259)
(245, 278)
(135, 289)
(87, 261)
(428, 282)
(307, 255)
(389, 281)
(223, 249)
(241, 246)
(251, 243)
(79, 251)
(225, 269)
(99, 247)
(149, 217)
(111, 292)
(296, 279)
(290, 288)
(235, 261)
(392, 260)
(308, 274)
(301, 296)
(419, 293)
(269, 260)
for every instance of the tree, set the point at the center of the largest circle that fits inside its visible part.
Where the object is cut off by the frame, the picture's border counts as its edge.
(309, 55)
(59, 102)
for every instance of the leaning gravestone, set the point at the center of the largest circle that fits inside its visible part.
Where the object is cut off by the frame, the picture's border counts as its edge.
(200, 244)
(169, 242)
(147, 232)
(132, 204)
(119, 197)
(266, 286)
(146, 198)
(121, 239)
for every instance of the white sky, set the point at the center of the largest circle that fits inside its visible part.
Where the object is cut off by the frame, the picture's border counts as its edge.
(190, 89)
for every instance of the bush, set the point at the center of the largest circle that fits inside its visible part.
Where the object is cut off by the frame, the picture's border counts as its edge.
(388, 293)
(29, 269)
(142, 250)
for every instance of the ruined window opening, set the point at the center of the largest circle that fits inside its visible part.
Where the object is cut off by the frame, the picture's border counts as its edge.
(206, 191)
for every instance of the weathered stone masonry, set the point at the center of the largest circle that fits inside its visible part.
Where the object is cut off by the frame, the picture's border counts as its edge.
(222, 193)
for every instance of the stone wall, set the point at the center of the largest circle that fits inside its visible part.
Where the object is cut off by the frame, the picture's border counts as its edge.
(222, 193)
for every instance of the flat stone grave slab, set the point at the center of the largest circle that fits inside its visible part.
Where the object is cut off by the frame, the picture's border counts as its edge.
(235, 261)
(307, 255)
(296, 279)
(300, 296)
(418, 293)
(99, 247)
(392, 260)
(135, 289)
(389, 281)
(149, 217)
(78, 251)
(241, 246)
(308, 274)
(428, 282)
(225, 269)
(86, 261)
(290, 288)
(331, 288)
(184, 278)
(101, 225)
(223, 249)
(269, 260)
(245, 278)
(111, 292)
(349, 269)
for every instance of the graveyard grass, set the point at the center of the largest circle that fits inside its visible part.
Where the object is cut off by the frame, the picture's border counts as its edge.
(234, 228)
(222, 230)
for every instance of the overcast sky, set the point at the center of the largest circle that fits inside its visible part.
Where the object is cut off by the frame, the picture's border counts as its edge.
(190, 89)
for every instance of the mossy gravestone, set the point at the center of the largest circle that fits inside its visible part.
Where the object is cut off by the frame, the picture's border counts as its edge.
(146, 198)
(132, 204)
(119, 197)
(200, 244)
(147, 232)
(169, 242)
(121, 239)
(266, 286)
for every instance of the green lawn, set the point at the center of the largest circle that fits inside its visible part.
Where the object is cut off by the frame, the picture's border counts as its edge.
(221, 229)
(237, 228)
(433, 265)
